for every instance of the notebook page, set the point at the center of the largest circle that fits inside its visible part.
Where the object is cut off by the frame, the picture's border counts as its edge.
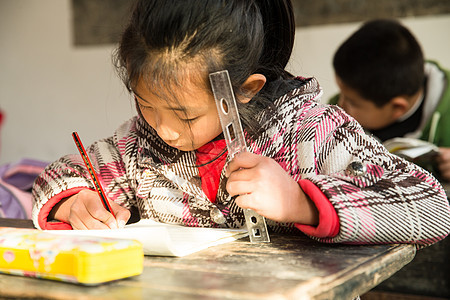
(165, 239)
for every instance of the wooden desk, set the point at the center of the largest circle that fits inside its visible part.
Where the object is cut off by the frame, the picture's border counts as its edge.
(290, 267)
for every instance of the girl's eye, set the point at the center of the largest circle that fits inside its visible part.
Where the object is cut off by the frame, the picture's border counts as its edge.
(142, 106)
(189, 120)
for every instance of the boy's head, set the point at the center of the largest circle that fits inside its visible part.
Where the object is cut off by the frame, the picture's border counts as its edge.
(380, 71)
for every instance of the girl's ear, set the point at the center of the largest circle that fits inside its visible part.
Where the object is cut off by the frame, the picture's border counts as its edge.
(251, 87)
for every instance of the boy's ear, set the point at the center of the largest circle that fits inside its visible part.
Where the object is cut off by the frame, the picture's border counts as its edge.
(400, 106)
(251, 87)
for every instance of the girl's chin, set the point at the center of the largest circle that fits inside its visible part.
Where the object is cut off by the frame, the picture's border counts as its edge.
(182, 147)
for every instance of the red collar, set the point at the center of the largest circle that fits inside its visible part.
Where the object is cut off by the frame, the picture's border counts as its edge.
(210, 166)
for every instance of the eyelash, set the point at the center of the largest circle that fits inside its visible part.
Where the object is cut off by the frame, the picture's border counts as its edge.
(143, 106)
(189, 120)
(183, 120)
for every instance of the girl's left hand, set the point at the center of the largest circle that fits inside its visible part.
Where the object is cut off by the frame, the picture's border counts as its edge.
(265, 187)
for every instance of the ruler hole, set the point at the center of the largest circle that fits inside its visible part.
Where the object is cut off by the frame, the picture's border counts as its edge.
(224, 105)
(256, 232)
(231, 133)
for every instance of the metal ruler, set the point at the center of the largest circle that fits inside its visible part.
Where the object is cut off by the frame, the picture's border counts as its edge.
(234, 137)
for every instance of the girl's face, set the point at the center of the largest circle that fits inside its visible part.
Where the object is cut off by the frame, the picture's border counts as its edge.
(186, 123)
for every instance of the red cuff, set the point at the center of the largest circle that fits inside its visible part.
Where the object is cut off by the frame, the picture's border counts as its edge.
(48, 206)
(328, 218)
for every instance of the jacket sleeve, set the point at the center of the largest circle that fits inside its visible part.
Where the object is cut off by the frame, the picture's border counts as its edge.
(68, 175)
(379, 197)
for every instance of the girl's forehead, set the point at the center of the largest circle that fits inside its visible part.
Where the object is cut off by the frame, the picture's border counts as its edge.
(174, 81)
(189, 92)
(173, 77)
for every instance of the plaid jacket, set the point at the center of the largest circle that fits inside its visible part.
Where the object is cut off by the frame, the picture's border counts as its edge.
(389, 201)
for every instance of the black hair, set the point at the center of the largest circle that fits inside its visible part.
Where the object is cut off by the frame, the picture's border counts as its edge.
(241, 36)
(381, 60)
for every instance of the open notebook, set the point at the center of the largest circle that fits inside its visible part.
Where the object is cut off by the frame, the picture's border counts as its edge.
(414, 150)
(165, 239)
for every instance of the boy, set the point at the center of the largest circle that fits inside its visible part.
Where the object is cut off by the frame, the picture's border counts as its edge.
(386, 85)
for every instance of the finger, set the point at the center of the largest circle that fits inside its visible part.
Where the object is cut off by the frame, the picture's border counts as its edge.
(92, 224)
(97, 217)
(444, 155)
(444, 166)
(72, 216)
(107, 219)
(244, 160)
(85, 220)
(110, 221)
(77, 224)
(241, 175)
(444, 169)
(85, 209)
(122, 217)
(121, 213)
(245, 201)
(81, 219)
(239, 187)
(444, 152)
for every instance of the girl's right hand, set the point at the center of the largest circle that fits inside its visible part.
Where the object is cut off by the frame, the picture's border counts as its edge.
(85, 210)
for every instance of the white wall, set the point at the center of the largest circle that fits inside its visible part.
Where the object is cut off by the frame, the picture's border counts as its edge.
(49, 88)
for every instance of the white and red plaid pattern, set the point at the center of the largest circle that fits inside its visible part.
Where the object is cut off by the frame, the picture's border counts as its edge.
(393, 202)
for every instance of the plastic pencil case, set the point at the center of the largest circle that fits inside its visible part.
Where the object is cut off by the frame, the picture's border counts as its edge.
(77, 259)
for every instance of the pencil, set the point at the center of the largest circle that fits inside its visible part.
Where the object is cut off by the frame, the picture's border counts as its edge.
(94, 177)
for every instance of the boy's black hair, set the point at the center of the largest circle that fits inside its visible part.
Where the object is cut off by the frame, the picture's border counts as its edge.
(242, 36)
(381, 60)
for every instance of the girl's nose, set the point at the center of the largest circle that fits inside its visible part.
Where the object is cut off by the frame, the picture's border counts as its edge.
(167, 133)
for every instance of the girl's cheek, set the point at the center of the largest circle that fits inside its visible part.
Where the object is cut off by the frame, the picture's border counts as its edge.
(149, 121)
(149, 118)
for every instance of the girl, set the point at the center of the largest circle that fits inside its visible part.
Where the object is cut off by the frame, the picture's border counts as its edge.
(310, 166)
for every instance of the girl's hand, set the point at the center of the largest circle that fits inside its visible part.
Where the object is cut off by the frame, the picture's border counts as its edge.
(265, 187)
(85, 210)
(444, 163)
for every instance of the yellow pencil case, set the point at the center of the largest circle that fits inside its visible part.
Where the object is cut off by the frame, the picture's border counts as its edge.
(77, 259)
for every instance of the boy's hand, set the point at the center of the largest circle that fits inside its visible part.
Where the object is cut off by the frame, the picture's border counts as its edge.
(85, 210)
(265, 187)
(444, 163)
